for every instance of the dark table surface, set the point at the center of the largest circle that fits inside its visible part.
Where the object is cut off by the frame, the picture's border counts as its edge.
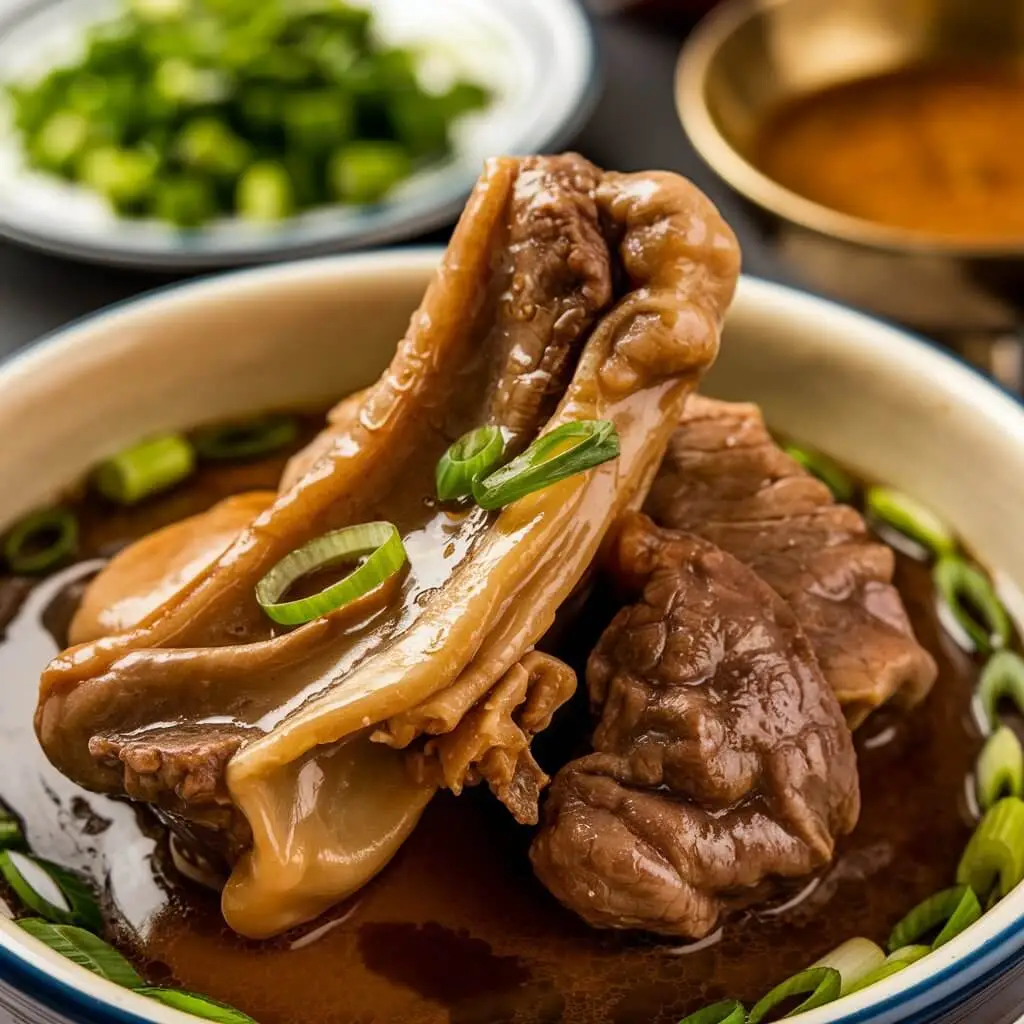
(633, 127)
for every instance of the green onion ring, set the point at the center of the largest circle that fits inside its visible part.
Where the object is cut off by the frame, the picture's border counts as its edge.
(728, 1011)
(144, 469)
(836, 479)
(201, 1007)
(823, 985)
(854, 959)
(380, 545)
(30, 877)
(995, 853)
(41, 541)
(954, 580)
(1000, 768)
(10, 832)
(474, 455)
(245, 439)
(83, 948)
(541, 465)
(954, 909)
(1002, 677)
(893, 964)
(910, 518)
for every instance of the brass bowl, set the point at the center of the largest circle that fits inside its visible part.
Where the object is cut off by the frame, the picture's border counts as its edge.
(750, 56)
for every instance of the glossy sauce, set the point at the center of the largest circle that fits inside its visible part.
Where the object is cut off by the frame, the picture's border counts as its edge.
(457, 929)
(930, 149)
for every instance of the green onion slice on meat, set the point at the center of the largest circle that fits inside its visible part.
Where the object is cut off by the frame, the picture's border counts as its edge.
(473, 456)
(949, 911)
(994, 858)
(41, 541)
(910, 518)
(563, 452)
(971, 600)
(821, 985)
(147, 468)
(376, 546)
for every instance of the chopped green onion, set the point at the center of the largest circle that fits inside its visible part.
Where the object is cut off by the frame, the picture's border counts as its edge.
(246, 439)
(893, 964)
(52, 892)
(910, 518)
(85, 949)
(951, 910)
(728, 1011)
(834, 477)
(198, 1006)
(378, 543)
(995, 851)
(41, 541)
(985, 619)
(145, 469)
(854, 959)
(543, 464)
(265, 192)
(822, 985)
(474, 455)
(1000, 768)
(1001, 678)
(364, 172)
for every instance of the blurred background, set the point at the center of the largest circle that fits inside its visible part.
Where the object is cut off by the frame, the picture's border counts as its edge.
(867, 150)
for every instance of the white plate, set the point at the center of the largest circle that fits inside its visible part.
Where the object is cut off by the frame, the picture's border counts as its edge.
(538, 56)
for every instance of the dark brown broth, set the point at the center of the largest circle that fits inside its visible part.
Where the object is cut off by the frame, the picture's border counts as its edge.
(457, 928)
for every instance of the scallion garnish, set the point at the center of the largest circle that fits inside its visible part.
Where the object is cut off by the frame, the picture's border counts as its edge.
(563, 452)
(84, 949)
(41, 541)
(999, 770)
(473, 456)
(49, 890)
(834, 477)
(995, 853)
(728, 1011)
(11, 835)
(854, 960)
(821, 985)
(1001, 678)
(910, 518)
(893, 964)
(147, 468)
(246, 439)
(968, 595)
(951, 911)
(377, 544)
(199, 1006)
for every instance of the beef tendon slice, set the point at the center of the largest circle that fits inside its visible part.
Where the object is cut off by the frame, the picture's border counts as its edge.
(725, 479)
(721, 759)
(306, 756)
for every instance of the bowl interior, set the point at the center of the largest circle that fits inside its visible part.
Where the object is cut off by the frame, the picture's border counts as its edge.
(889, 406)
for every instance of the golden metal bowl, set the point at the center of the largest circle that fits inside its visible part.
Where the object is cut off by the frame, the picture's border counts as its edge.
(750, 56)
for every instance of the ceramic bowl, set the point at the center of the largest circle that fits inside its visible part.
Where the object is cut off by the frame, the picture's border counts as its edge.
(537, 56)
(889, 405)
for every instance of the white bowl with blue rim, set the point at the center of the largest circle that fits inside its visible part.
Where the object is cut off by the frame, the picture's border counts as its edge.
(889, 405)
(537, 56)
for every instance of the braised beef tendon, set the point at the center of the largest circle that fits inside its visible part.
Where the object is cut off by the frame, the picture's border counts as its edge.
(726, 480)
(721, 758)
(307, 755)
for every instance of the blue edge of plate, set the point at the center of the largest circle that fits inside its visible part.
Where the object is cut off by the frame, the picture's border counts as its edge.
(66, 999)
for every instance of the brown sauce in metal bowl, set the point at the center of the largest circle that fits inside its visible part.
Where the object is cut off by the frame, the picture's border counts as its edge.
(457, 929)
(928, 149)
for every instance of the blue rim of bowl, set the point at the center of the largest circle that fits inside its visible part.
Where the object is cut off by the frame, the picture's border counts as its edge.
(430, 213)
(59, 995)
